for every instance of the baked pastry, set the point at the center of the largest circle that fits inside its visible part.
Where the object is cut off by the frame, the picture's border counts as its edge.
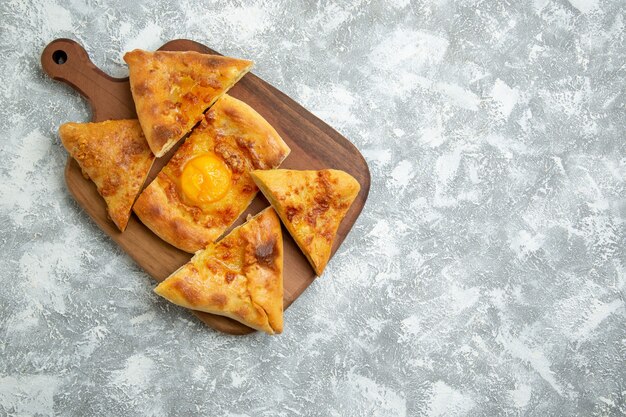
(240, 277)
(172, 90)
(116, 156)
(206, 185)
(311, 205)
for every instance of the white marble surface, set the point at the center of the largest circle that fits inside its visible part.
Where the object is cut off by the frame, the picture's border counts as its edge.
(486, 275)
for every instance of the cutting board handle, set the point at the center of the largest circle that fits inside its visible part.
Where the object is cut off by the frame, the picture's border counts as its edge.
(67, 61)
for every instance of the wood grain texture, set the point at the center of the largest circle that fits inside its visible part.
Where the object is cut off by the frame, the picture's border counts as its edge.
(314, 145)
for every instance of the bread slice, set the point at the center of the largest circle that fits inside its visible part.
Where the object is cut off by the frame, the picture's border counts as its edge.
(116, 156)
(172, 90)
(311, 205)
(240, 277)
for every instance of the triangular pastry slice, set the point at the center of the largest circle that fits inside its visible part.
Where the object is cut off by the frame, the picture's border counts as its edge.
(206, 185)
(240, 277)
(172, 90)
(116, 156)
(311, 204)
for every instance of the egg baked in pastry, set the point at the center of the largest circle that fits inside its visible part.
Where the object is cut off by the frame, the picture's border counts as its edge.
(172, 90)
(206, 185)
(115, 156)
(240, 277)
(311, 205)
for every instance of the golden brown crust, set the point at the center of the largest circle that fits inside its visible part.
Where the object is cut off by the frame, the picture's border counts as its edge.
(311, 204)
(240, 277)
(155, 209)
(234, 132)
(115, 156)
(172, 90)
(252, 134)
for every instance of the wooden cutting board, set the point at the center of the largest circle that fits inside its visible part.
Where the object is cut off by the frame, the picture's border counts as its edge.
(314, 145)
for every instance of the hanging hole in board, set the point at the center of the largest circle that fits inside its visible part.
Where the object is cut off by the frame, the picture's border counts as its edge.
(59, 57)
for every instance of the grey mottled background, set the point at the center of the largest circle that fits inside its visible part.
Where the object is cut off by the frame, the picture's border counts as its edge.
(486, 275)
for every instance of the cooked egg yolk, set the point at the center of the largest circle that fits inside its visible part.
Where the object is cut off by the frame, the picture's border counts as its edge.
(206, 178)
